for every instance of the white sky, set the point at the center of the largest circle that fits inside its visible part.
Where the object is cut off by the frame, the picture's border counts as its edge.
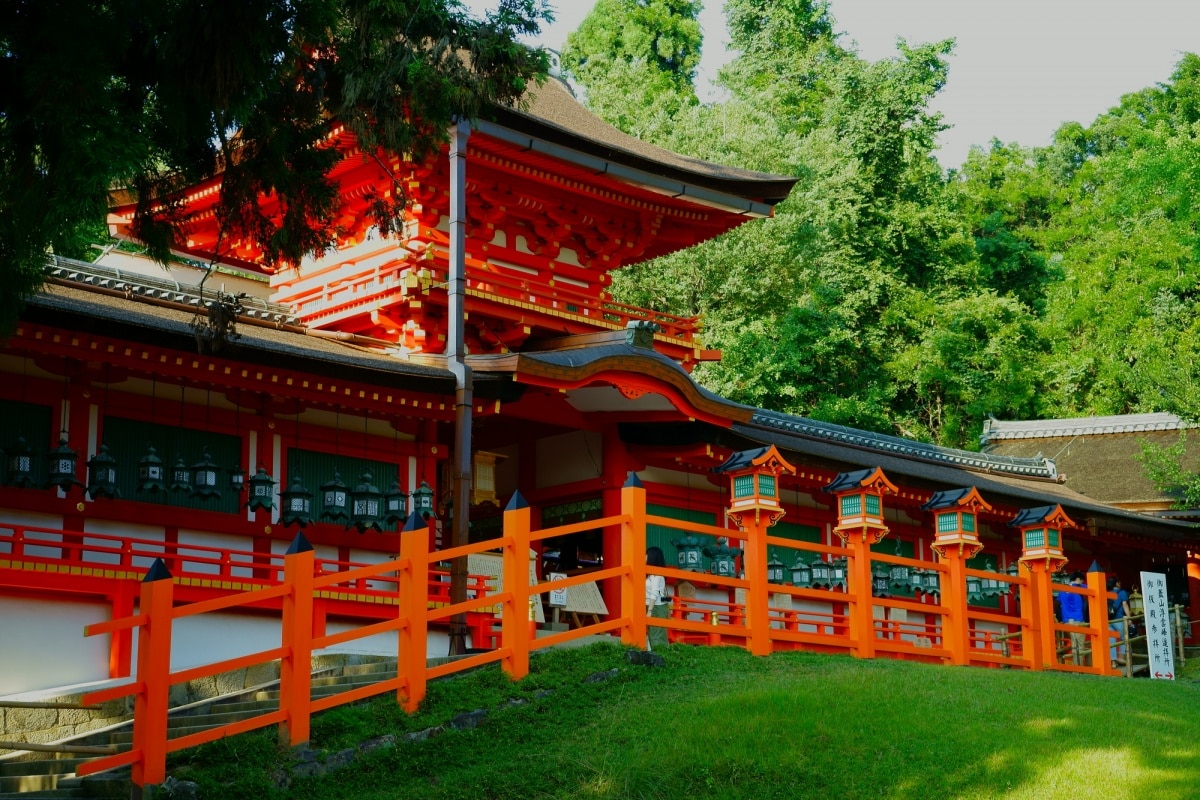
(1021, 67)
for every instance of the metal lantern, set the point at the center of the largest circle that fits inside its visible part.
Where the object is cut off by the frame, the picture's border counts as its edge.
(724, 558)
(974, 588)
(837, 571)
(880, 579)
(151, 473)
(423, 500)
(297, 504)
(821, 572)
(775, 570)
(237, 479)
(181, 476)
(899, 574)
(20, 464)
(365, 503)
(689, 552)
(992, 587)
(802, 573)
(933, 582)
(262, 491)
(204, 477)
(1136, 604)
(102, 475)
(335, 501)
(395, 505)
(62, 465)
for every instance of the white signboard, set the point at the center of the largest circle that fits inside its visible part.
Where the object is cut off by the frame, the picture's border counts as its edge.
(558, 597)
(1159, 636)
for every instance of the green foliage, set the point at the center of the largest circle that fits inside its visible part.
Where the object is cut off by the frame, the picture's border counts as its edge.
(636, 60)
(155, 96)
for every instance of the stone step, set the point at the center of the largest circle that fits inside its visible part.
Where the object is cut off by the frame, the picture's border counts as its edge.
(30, 783)
(44, 766)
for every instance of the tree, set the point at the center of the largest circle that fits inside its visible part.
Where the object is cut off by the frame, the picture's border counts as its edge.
(156, 95)
(636, 60)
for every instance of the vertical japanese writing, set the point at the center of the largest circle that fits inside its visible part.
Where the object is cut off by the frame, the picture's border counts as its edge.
(1159, 639)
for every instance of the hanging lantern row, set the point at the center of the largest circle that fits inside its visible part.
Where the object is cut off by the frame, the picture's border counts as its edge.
(365, 507)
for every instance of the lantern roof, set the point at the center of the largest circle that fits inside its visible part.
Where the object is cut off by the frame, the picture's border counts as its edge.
(1042, 515)
(872, 478)
(766, 459)
(967, 497)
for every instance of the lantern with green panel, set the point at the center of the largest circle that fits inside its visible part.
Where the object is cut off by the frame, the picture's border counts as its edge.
(860, 503)
(754, 484)
(1042, 535)
(956, 520)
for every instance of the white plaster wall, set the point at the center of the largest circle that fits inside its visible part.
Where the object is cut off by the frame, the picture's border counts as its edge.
(42, 644)
(243, 544)
(569, 457)
(13, 517)
(124, 530)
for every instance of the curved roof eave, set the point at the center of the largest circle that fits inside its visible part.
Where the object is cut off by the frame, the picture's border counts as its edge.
(555, 123)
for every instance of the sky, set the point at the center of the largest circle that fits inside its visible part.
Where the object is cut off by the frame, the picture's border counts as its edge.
(1021, 68)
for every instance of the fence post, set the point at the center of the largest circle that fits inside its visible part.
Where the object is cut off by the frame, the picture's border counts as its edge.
(858, 576)
(956, 627)
(295, 668)
(1032, 646)
(154, 673)
(1043, 608)
(1097, 584)
(633, 558)
(412, 590)
(514, 636)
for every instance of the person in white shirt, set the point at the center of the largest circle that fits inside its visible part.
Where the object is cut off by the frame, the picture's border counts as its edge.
(656, 598)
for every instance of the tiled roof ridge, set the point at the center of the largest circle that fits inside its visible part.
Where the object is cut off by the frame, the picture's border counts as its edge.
(1036, 467)
(995, 429)
(138, 286)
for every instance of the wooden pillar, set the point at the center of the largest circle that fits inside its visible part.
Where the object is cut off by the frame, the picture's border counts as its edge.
(956, 627)
(632, 556)
(1042, 612)
(1032, 645)
(413, 598)
(120, 643)
(758, 595)
(858, 584)
(514, 636)
(150, 705)
(295, 668)
(612, 503)
(1193, 583)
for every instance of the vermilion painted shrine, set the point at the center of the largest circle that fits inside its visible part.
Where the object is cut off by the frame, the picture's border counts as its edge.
(241, 407)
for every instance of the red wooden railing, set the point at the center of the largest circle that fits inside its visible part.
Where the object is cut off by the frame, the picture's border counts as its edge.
(835, 620)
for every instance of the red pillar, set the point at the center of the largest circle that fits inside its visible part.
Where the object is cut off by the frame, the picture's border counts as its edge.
(295, 668)
(154, 674)
(1193, 579)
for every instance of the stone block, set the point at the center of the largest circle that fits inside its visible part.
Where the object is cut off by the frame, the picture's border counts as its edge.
(30, 719)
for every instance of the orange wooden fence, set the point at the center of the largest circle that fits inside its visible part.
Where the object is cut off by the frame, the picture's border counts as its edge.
(743, 611)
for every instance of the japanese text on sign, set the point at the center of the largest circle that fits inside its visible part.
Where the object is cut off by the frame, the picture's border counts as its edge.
(1159, 635)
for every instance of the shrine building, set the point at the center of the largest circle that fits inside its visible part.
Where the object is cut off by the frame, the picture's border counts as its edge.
(203, 416)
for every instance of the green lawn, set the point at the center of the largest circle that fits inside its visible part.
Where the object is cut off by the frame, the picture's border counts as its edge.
(719, 723)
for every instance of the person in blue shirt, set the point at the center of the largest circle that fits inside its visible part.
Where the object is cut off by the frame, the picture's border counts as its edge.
(1118, 620)
(1073, 613)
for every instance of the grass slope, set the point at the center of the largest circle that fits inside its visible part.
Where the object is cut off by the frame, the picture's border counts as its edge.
(719, 723)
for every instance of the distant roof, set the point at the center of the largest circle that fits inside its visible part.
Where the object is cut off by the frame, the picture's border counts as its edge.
(996, 429)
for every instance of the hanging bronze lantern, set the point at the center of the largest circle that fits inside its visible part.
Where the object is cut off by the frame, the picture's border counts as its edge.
(262, 491)
(423, 500)
(181, 476)
(151, 473)
(237, 479)
(62, 465)
(365, 503)
(335, 500)
(20, 464)
(204, 477)
(102, 475)
(297, 504)
(395, 505)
